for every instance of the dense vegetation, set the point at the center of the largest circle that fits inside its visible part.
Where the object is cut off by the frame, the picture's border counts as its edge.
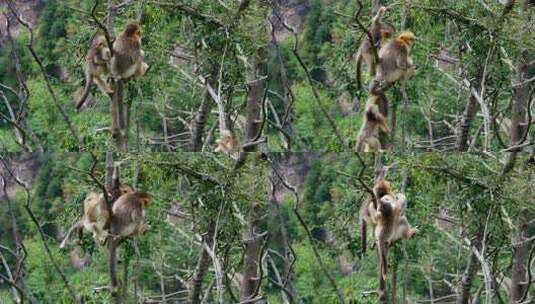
(474, 221)
(472, 89)
(276, 218)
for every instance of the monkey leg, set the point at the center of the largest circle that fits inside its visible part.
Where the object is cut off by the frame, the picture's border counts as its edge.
(372, 145)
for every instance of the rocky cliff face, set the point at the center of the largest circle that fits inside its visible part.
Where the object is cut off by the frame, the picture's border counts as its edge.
(292, 13)
(29, 11)
(24, 166)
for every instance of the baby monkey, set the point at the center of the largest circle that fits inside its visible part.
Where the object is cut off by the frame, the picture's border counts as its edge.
(96, 68)
(127, 60)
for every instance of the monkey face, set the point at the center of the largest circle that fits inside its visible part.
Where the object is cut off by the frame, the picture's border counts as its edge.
(406, 38)
(144, 197)
(125, 188)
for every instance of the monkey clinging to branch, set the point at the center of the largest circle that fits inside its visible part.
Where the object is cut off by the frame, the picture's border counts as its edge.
(373, 125)
(227, 143)
(127, 60)
(380, 32)
(129, 215)
(96, 67)
(395, 63)
(387, 217)
(96, 216)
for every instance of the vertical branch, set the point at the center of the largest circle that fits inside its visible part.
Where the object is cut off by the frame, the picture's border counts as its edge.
(254, 98)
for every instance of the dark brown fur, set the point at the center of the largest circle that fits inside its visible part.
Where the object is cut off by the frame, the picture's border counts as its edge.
(128, 213)
(127, 58)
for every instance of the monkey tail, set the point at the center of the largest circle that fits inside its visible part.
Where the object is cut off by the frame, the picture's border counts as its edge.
(359, 70)
(382, 251)
(363, 244)
(112, 255)
(81, 101)
(76, 226)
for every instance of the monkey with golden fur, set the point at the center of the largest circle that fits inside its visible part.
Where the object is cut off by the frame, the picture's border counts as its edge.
(387, 219)
(96, 216)
(395, 63)
(373, 125)
(96, 67)
(127, 60)
(227, 143)
(380, 32)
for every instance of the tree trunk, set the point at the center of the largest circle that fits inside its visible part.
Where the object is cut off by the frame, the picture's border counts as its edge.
(252, 240)
(117, 117)
(470, 110)
(255, 98)
(470, 272)
(203, 263)
(394, 282)
(199, 123)
(251, 257)
(519, 108)
(521, 247)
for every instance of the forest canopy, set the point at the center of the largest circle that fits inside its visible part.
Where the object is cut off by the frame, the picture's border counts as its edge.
(268, 151)
(280, 75)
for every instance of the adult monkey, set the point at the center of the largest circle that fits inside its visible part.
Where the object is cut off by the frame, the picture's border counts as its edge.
(128, 219)
(387, 217)
(395, 63)
(127, 60)
(96, 216)
(374, 126)
(380, 32)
